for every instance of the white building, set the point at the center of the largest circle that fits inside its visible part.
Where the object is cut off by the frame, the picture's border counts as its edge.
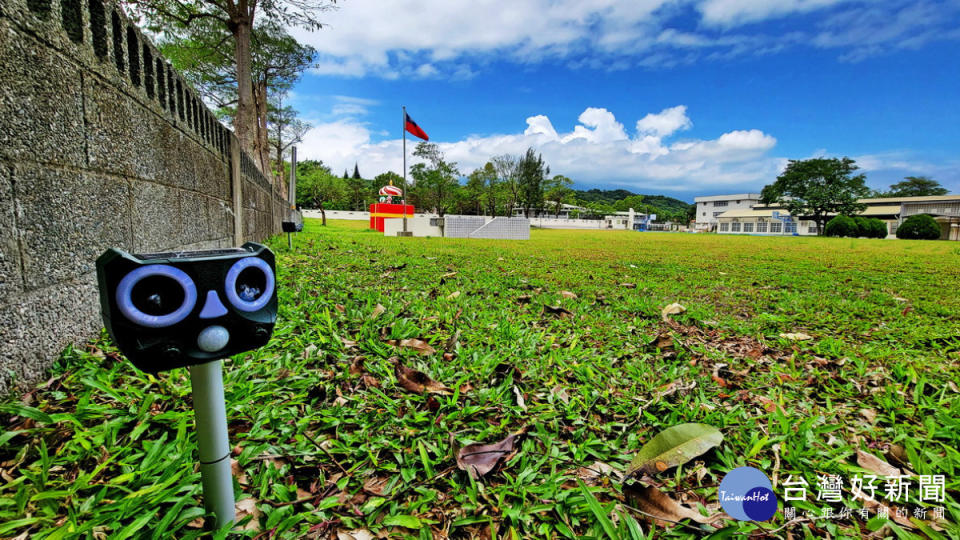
(771, 220)
(710, 208)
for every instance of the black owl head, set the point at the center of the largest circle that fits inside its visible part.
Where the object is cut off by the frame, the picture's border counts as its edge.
(170, 310)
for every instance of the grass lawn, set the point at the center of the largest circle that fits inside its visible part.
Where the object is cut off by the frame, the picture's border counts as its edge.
(328, 441)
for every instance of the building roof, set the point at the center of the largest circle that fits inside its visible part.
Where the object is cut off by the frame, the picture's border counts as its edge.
(898, 200)
(737, 197)
(887, 210)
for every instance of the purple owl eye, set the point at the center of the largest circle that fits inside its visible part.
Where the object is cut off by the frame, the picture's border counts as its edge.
(156, 295)
(249, 284)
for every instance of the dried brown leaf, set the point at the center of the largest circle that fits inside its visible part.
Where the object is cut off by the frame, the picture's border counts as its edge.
(796, 336)
(568, 294)
(557, 311)
(453, 295)
(876, 465)
(357, 534)
(377, 311)
(656, 503)
(480, 459)
(418, 382)
(671, 309)
(419, 345)
(248, 507)
(376, 485)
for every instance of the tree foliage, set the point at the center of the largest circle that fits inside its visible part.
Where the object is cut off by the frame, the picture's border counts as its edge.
(198, 18)
(916, 186)
(558, 192)
(818, 188)
(435, 180)
(531, 174)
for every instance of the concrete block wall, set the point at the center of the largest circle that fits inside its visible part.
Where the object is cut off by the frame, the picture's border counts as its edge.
(102, 144)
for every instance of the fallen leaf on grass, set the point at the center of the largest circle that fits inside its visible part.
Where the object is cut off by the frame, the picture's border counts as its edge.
(557, 311)
(629, 285)
(248, 507)
(876, 465)
(309, 350)
(869, 414)
(597, 470)
(796, 336)
(479, 459)
(658, 504)
(418, 382)
(377, 311)
(568, 294)
(524, 299)
(561, 394)
(671, 309)
(520, 402)
(376, 485)
(238, 472)
(453, 295)
(358, 534)
(674, 446)
(418, 345)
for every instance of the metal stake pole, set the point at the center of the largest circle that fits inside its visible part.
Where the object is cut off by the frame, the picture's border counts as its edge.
(206, 381)
(403, 200)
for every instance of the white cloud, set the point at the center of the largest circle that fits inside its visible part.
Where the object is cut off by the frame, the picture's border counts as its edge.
(732, 12)
(444, 39)
(596, 150)
(665, 122)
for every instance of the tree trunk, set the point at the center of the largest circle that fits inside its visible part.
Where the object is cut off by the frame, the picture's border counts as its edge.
(244, 124)
(323, 214)
(261, 141)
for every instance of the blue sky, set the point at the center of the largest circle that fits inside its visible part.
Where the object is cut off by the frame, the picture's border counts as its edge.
(681, 97)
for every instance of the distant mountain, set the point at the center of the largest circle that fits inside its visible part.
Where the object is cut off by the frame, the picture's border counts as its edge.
(612, 196)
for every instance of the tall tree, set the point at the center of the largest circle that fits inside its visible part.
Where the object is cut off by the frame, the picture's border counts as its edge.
(916, 186)
(506, 167)
(818, 188)
(317, 186)
(286, 130)
(558, 191)
(435, 180)
(531, 172)
(202, 53)
(238, 18)
(356, 170)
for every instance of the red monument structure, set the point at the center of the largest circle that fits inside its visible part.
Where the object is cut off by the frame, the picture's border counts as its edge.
(391, 205)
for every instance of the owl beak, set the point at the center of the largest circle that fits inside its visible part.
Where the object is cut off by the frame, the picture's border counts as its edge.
(213, 307)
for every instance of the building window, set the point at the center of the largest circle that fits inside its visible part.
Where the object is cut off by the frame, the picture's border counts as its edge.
(762, 227)
(734, 227)
(704, 214)
(893, 227)
(812, 229)
(738, 202)
(790, 227)
(748, 227)
(775, 227)
(724, 227)
(720, 203)
(715, 214)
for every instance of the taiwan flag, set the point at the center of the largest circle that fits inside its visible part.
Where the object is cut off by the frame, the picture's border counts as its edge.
(414, 129)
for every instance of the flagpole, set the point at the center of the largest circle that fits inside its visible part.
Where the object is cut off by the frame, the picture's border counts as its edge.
(403, 201)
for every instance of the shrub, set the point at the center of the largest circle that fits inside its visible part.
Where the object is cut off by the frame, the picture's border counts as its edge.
(870, 227)
(841, 226)
(878, 228)
(919, 227)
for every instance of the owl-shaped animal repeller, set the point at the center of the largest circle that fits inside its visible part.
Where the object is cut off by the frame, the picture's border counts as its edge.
(170, 310)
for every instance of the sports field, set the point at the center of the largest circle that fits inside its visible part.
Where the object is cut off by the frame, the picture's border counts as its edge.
(814, 357)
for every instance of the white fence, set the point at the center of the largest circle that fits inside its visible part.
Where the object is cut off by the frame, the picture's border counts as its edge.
(545, 223)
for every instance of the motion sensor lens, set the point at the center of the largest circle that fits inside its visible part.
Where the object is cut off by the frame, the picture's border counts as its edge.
(157, 295)
(251, 284)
